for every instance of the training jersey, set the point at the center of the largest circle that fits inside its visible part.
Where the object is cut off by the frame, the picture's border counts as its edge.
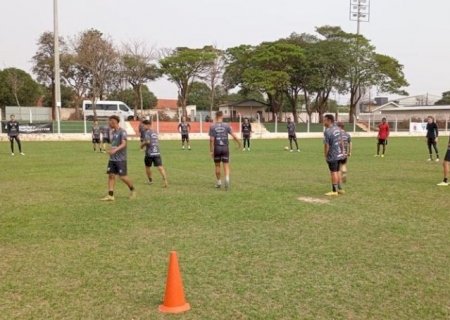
(432, 130)
(184, 128)
(383, 131)
(220, 131)
(12, 128)
(152, 143)
(346, 140)
(291, 128)
(105, 131)
(96, 132)
(333, 137)
(117, 136)
(246, 129)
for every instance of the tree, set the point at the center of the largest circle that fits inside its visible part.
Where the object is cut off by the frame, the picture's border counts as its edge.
(185, 65)
(17, 88)
(138, 69)
(200, 95)
(214, 74)
(128, 96)
(97, 55)
(445, 99)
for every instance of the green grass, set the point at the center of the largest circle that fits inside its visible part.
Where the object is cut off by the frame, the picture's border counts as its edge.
(380, 252)
(303, 127)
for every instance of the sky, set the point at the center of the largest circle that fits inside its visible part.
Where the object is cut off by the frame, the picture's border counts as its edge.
(413, 31)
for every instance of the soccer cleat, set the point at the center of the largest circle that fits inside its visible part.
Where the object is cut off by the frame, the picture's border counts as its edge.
(218, 185)
(298, 150)
(443, 184)
(12, 154)
(132, 195)
(331, 194)
(248, 149)
(437, 160)
(182, 147)
(22, 153)
(291, 150)
(429, 160)
(341, 191)
(107, 198)
(243, 149)
(382, 155)
(189, 148)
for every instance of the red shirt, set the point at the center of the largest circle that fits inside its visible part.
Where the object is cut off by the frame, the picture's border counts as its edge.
(383, 131)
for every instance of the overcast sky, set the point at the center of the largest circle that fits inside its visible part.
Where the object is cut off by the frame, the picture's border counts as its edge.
(416, 32)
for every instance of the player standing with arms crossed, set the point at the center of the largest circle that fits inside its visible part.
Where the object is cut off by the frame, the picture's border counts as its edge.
(117, 165)
(184, 128)
(219, 148)
(152, 153)
(383, 135)
(12, 129)
(432, 138)
(292, 135)
(96, 136)
(246, 129)
(334, 153)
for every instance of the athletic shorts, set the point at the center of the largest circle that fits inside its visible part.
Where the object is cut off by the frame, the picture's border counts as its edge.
(334, 166)
(185, 137)
(11, 138)
(153, 161)
(119, 168)
(382, 141)
(292, 137)
(106, 140)
(95, 140)
(246, 136)
(447, 156)
(344, 161)
(431, 141)
(221, 154)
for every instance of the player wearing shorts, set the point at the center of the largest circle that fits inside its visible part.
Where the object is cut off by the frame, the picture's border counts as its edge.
(12, 129)
(96, 136)
(219, 148)
(432, 138)
(152, 153)
(334, 153)
(383, 135)
(246, 129)
(106, 138)
(292, 135)
(117, 165)
(446, 166)
(184, 128)
(347, 140)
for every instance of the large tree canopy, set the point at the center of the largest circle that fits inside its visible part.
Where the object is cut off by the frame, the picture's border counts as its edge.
(17, 88)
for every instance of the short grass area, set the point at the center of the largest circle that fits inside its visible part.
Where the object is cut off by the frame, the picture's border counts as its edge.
(382, 251)
(303, 127)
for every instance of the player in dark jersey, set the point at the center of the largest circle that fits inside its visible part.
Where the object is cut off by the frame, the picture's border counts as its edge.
(432, 138)
(12, 129)
(96, 136)
(246, 129)
(106, 139)
(446, 166)
(292, 135)
(141, 130)
(152, 153)
(219, 148)
(184, 128)
(383, 135)
(334, 153)
(117, 165)
(347, 140)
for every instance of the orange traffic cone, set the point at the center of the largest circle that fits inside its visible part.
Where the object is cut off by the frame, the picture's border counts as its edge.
(174, 301)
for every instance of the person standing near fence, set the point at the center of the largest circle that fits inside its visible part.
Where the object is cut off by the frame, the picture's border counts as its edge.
(96, 136)
(432, 138)
(292, 135)
(246, 133)
(12, 129)
(184, 128)
(383, 135)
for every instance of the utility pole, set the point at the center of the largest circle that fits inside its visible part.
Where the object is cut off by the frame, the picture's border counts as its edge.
(56, 63)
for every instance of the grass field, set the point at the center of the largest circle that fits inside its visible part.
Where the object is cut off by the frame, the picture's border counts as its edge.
(382, 251)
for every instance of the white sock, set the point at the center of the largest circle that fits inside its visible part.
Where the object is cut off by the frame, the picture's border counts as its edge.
(219, 182)
(227, 179)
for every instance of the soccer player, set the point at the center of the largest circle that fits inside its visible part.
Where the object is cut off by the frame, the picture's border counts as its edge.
(334, 153)
(292, 135)
(432, 138)
(141, 130)
(117, 165)
(219, 149)
(106, 139)
(96, 136)
(152, 153)
(184, 128)
(383, 135)
(347, 140)
(12, 129)
(446, 165)
(246, 133)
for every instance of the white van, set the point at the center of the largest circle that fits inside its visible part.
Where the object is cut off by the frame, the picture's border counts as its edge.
(106, 109)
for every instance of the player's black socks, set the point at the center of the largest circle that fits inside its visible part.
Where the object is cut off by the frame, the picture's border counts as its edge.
(111, 193)
(445, 180)
(335, 186)
(150, 180)
(132, 188)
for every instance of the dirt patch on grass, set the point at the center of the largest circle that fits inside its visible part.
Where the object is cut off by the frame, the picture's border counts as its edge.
(313, 200)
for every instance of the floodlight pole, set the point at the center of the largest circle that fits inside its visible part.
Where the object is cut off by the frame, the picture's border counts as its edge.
(56, 64)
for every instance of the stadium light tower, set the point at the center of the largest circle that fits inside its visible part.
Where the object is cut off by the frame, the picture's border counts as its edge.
(359, 12)
(56, 64)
